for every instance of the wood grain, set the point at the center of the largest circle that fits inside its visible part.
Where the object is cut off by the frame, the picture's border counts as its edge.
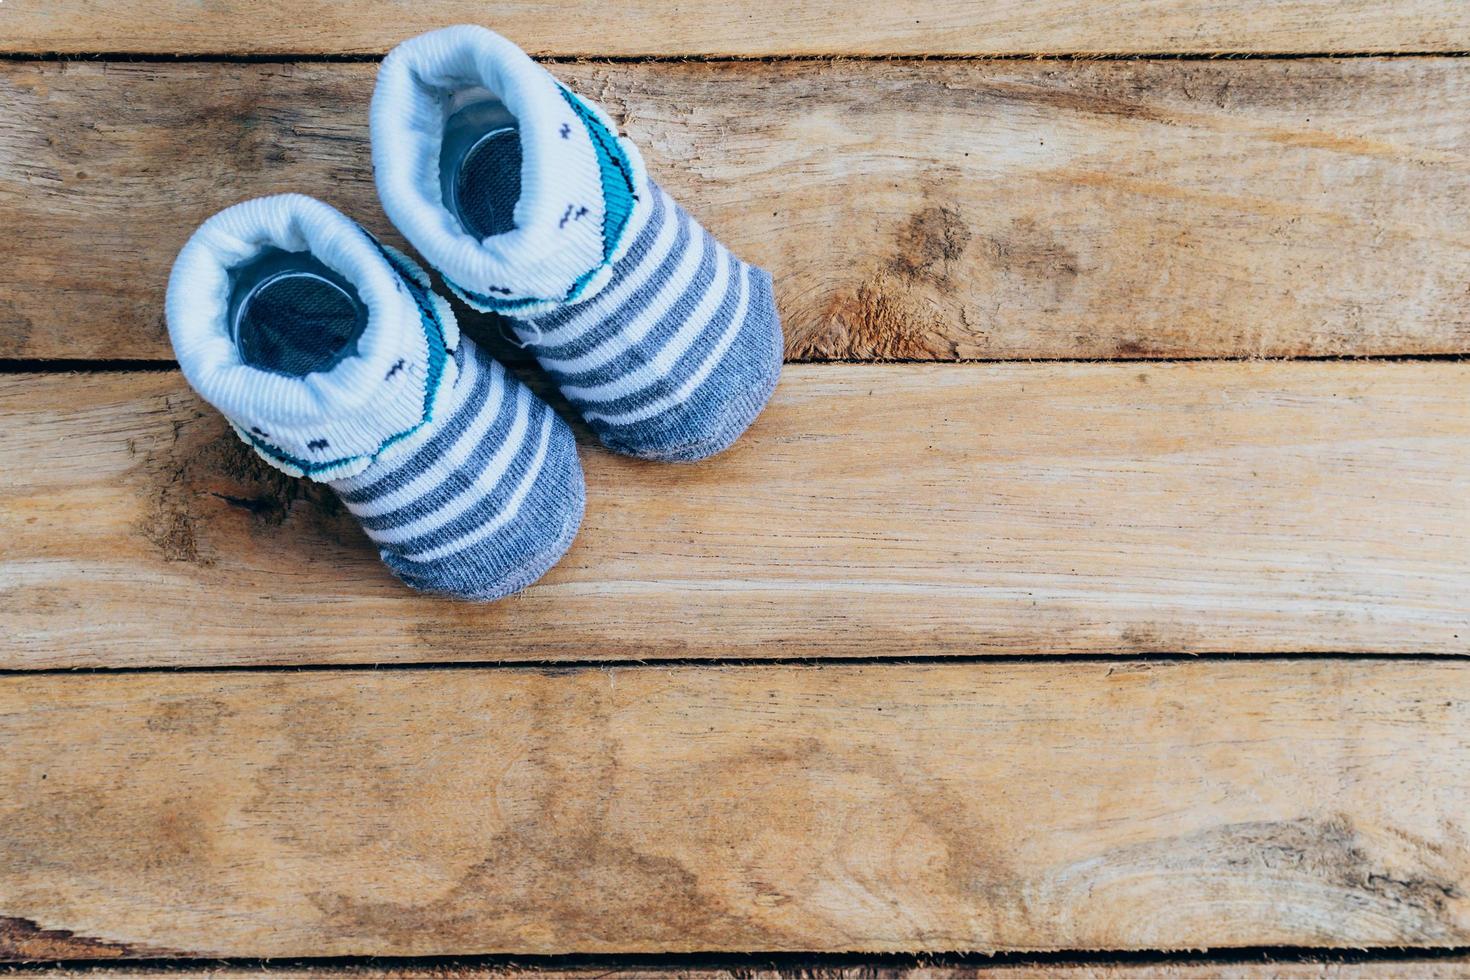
(709, 27)
(1374, 966)
(872, 510)
(944, 210)
(898, 807)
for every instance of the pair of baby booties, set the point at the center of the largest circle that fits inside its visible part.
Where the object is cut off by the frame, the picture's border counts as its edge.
(468, 483)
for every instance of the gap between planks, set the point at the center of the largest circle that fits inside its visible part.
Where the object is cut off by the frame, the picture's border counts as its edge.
(1295, 963)
(511, 356)
(552, 668)
(558, 61)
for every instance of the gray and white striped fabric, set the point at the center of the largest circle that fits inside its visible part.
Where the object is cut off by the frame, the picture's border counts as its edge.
(489, 498)
(667, 344)
(678, 354)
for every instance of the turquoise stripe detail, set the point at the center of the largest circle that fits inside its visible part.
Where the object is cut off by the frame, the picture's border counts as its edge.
(619, 197)
(438, 355)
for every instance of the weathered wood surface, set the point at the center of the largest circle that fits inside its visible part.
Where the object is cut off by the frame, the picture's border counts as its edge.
(896, 807)
(908, 210)
(710, 27)
(758, 967)
(872, 510)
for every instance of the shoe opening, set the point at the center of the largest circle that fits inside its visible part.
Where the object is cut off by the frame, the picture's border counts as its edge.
(480, 163)
(290, 314)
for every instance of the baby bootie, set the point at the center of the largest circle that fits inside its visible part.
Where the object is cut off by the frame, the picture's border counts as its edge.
(530, 205)
(328, 354)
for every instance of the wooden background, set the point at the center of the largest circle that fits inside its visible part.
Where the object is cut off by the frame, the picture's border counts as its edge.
(1092, 594)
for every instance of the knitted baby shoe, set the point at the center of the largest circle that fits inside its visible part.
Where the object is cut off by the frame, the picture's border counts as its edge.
(529, 204)
(330, 356)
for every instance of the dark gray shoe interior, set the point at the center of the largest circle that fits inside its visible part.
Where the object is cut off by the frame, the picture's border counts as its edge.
(480, 168)
(291, 314)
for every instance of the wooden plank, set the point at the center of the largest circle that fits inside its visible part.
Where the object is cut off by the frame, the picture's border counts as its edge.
(874, 808)
(942, 210)
(899, 510)
(708, 27)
